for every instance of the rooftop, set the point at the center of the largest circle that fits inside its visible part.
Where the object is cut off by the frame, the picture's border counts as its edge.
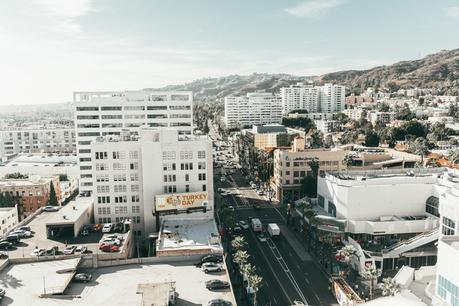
(6, 211)
(115, 286)
(43, 160)
(180, 233)
(386, 173)
(31, 181)
(71, 212)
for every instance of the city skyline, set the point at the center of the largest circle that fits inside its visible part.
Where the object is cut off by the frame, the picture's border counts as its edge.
(53, 49)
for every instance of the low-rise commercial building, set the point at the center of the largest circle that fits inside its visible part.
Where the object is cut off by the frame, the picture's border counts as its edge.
(292, 165)
(30, 193)
(8, 219)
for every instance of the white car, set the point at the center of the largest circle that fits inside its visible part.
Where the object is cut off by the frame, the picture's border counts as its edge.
(112, 241)
(260, 193)
(51, 208)
(244, 224)
(211, 267)
(107, 228)
(254, 186)
(262, 238)
(69, 250)
(38, 252)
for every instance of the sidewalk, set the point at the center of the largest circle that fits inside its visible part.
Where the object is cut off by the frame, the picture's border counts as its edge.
(294, 243)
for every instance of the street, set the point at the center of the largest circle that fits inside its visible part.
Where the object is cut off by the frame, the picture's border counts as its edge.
(289, 273)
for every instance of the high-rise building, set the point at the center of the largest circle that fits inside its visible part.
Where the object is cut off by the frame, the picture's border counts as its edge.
(314, 99)
(132, 173)
(107, 113)
(254, 108)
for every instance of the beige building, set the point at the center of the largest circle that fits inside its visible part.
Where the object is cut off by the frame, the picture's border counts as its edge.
(8, 219)
(291, 166)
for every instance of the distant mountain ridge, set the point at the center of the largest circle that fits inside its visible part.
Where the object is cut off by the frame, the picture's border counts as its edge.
(439, 70)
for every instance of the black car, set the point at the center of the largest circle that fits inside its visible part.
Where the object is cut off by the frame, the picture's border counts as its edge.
(212, 258)
(5, 245)
(3, 255)
(219, 302)
(217, 284)
(82, 277)
(2, 293)
(13, 238)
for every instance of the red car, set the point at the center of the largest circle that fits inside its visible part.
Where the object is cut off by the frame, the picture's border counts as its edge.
(106, 247)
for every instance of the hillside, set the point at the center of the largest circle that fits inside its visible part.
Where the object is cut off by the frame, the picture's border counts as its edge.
(439, 70)
(211, 89)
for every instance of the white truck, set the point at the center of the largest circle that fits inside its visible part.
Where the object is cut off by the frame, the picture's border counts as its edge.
(273, 230)
(256, 225)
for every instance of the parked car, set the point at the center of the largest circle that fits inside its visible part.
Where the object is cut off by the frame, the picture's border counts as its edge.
(107, 228)
(212, 258)
(219, 302)
(13, 238)
(254, 186)
(211, 267)
(38, 252)
(112, 241)
(52, 250)
(260, 192)
(81, 249)
(262, 238)
(82, 277)
(3, 255)
(114, 236)
(107, 247)
(5, 245)
(69, 250)
(22, 234)
(2, 294)
(118, 228)
(217, 284)
(243, 224)
(24, 228)
(236, 231)
(50, 208)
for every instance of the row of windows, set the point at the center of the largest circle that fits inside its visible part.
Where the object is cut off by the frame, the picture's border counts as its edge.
(444, 287)
(116, 166)
(170, 155)
(116, 177)
(448, 226)
(134, 107)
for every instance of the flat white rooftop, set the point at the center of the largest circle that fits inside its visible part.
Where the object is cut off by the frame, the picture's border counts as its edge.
(5, 211)
(114, 286)
(72, 211)
(189, 234)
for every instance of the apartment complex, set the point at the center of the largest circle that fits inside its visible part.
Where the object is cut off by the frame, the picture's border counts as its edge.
(291, 166)
(141, 177)
(328, 98)
(107, 113)
(30, 194)
(266, 136)
(36, 139)
(8, 219)
(327, 126)
(254, 108)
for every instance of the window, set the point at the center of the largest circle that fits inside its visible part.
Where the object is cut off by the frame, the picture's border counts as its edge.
(448, 226)
(332, 209)
(321, 201)
(201, 154)
(168, 155)
(134, 177)
(103, 200)
(187, 177)
(119, 177)
(135, 188)
(103, 189)
(112, 117)
(101, 155)
(89, 134)
(202, 176)
(187, 188)
(448, 291)
(101, 167)
(432, 206)
(186, 154)
(102, 178)
(157, 107)
(119, 166)
(135, 209)
(134, 108)
(135, 198)
(204, 187)
(201, 165)
(170, 189)
(169, 167)
(110, 108)
(120, 188)
(134, 166)
(186, 166)
(87, 108)
(133, 155)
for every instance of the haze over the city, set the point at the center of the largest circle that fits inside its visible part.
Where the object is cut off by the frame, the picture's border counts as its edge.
(51, 48)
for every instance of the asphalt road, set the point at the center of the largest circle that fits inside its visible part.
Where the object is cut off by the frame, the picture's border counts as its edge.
(287, 276)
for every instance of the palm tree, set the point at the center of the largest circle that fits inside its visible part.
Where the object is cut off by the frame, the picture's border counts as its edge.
(388, 286)
(241, 258)
(256, 283)
(370, 273)
(238, 243)
(346, 254)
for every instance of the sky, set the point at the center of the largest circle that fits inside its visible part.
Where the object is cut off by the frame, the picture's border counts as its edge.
(51, 48)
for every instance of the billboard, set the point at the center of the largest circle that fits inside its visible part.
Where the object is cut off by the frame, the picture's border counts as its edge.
(182, 201)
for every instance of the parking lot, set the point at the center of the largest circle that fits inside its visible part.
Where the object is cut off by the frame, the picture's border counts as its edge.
(40, 241)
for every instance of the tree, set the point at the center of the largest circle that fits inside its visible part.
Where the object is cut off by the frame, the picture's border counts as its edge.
(317, 139)
(345, 255)
(241, 257)
(228, 217)
(341, 117)
(419, 146)
(370, 273)
(453, 156)
(388, 287)
(52, 195)
(238, 243)
(255, 282)
(371, 139)
(348, 160)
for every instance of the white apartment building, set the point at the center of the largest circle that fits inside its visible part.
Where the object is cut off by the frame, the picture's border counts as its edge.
(129, 172)
(36, 139)
(107, 113)
(254, 108)
(326, 99)
(354, 113)
(327, 126)
(447, 280)
(8, 219)
(381, 117)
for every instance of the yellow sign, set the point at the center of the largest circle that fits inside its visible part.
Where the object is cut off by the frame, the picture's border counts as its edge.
(181, 201)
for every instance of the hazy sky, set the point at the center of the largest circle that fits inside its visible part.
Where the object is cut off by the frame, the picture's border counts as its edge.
(50, 48)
